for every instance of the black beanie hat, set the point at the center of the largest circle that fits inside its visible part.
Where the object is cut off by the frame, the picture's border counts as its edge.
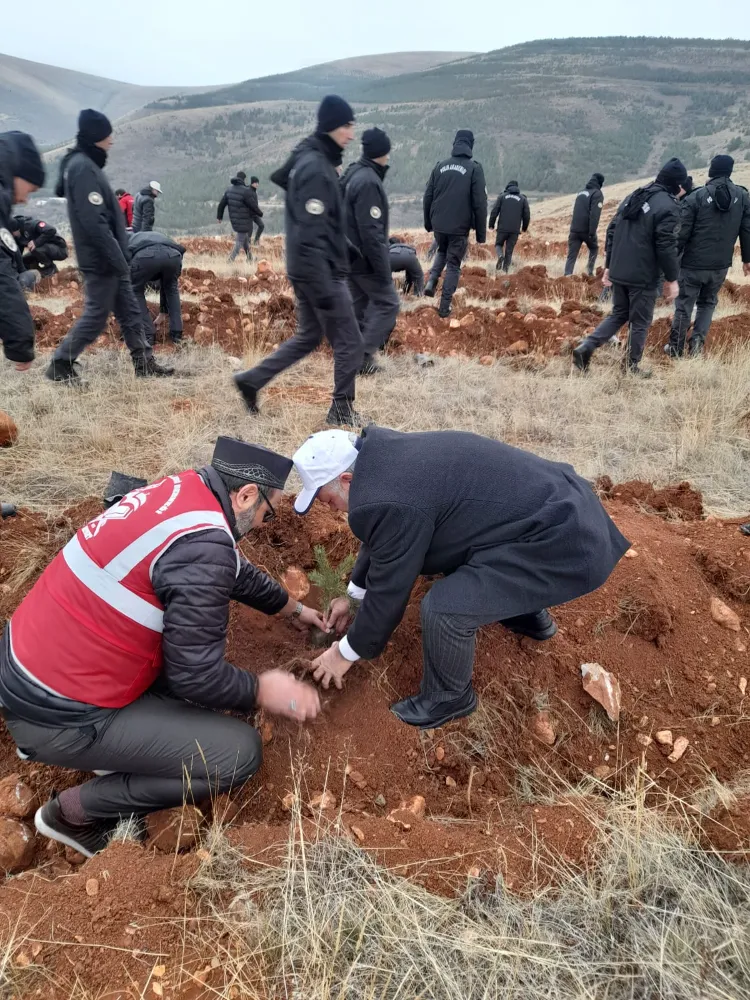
(333, 113)
(599, 178)
(27, 163)
(721, 166)
(688, 185)
(375, 143)
(464, 135)
(93, 126)
(251, 463)
(673, 175)
(254, 180)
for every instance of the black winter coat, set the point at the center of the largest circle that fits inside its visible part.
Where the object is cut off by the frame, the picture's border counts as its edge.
(366, 206)
(16, 324)
(144, 211)
(511, 532)
(587, 210)
(96, 219)
(712, 218)
(642, 238)
(455, 200)
(242, 202)
(316, 249)
(511, 211)
(146, 245)
(195, 579)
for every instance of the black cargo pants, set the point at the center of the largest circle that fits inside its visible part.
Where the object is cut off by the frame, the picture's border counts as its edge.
(505, 244)
(105, 294)
(451, 251)
(634, 306)
(376, 305)
(575, 242)
(701, 289)
(165, 270)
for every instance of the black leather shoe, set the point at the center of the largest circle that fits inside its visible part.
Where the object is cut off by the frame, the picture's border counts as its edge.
(248, 393)
(539, 625)
(149, 367)
(429, 288)
(429, 713)
(344, 415)
(582, 356)
(370, 366)
(444, 312)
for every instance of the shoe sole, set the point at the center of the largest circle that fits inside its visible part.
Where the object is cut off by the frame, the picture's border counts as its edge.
(61, 838)
(547, 633)
(252, 407)
(443, 720)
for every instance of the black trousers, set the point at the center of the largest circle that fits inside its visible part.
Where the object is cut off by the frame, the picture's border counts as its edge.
(338, 325)
(166, 271)
(105, 294)
(376, 305)
(241, 243)
(505, 244)
(451, 251)
(575, 242)
(634, 306)
(259, 227)
(162, 751)
(16, 324)
(701, 289)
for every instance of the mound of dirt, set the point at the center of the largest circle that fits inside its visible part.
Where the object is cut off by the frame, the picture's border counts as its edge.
(679, 501)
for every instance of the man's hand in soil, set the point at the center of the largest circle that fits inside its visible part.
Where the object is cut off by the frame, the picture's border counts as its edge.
(307, 618)
(281, 694)
(338, 615)
(606, 281)
(331, 666)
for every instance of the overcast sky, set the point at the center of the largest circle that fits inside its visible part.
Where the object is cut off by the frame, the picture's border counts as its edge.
(195, 42)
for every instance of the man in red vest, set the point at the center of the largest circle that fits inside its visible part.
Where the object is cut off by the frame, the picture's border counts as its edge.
(114, 661)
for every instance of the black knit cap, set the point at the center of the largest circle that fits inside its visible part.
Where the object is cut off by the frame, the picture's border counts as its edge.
(721, 166)
(254, 180)
(599, 178)
(334, 112)
(93, 126)
(27, 163)
(464, 135)
(673, 175)
(251, 462)
(375, 143)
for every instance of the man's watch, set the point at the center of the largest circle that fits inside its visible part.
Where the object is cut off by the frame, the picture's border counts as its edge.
(298, 610)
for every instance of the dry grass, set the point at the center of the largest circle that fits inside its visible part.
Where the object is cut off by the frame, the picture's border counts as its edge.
(686, 423)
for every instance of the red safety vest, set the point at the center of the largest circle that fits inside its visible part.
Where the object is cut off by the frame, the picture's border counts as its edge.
(91, 627)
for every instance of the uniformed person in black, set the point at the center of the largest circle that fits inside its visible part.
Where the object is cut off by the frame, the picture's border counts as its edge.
(40, 243)
(512, 215)
(403, 258)
(242, 202)
(713, 217)
(455, 202)
(156, 261)
(21, 173)
(317, 262)
(587, 210)
(376, 302)
(101, 245)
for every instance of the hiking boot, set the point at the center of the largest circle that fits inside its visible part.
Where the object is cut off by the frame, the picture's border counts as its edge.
(370, 366)
(429, 713)
(582, 356)
(695, 347)
(176, 339)
(444, 312)
(429, 288)
(343, 414)
(539, 625)
(88, 839)
(636, 370)
(149, 367)
(499, 265)
(248, 393)
(64, 371)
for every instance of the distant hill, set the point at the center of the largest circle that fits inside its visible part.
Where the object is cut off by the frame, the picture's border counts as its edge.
(45, 100)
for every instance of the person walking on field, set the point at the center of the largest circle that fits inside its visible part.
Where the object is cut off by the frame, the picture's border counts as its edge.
(641, 243)
(713, 218)
(512, 215)
(587, 210)
(242, 202)
(101, 245)
(114, 662)
(317, 263)
(376, 302)
(455, 202)
(144, 208)
(258, 220)
(510, 533)
(126, 204)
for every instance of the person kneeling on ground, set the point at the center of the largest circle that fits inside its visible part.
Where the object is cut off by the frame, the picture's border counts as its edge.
(115, 658)
(403, 257)
(511, 532)
(40, 243)
(156, 260)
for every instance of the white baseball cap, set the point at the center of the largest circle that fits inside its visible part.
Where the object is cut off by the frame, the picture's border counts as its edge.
(155, 186)
(320, 460)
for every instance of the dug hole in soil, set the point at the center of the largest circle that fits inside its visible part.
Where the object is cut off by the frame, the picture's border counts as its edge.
(653, 626)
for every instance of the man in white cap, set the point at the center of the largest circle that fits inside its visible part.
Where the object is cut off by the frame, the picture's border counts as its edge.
(510, 533)
(144, 208)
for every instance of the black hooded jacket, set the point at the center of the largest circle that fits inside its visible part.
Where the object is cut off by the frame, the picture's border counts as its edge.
(16, 324)
(42, 234)
(242, 202)
(144, 211)
(712, 218)
(316, 248)
(511, 211)
(455, 200)
(642, 238)
(587, 210)
(96, 219)
(366, 206)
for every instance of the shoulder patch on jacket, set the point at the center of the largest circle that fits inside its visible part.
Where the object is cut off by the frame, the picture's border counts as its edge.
(375, 212)
(314, 206)
(7, 237)
(95, 198)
